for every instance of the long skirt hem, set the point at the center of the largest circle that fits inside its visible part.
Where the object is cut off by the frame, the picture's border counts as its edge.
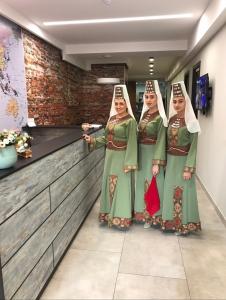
(115, 221)
(171, 225)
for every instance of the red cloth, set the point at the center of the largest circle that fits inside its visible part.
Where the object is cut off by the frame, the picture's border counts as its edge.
(151, 197)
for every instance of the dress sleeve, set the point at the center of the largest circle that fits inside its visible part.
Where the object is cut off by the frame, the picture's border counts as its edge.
(97, 142)
(131, 150)
(191, 157)
(159, 157)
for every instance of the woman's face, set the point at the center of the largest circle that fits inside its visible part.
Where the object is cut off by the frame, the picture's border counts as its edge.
(179, 104)
(120, 106)
(150, 100)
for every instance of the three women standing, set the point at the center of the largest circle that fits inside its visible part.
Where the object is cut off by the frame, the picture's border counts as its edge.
(178, 209)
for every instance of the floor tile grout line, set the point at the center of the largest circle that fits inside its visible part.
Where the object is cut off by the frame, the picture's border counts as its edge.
(119, 266)
(149, 275)
(184, 267)
(93, 250)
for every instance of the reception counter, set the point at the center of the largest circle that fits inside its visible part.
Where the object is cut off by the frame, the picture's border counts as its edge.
(43, 201)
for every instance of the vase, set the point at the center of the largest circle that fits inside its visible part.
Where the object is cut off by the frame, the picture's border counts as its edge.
(8, 157)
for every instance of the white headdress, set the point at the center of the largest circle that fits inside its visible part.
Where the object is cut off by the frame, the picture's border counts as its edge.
(179, 90)
(120, 91)
(153, 87)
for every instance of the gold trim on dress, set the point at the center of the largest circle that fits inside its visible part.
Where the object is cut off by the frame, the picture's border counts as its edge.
(112, 185)
(116, 145)
(189, 169)
(116, 221)
(176, 223)
(139, 217)
(130, 167)
(92, 144)
(159, 162)
(143, 137)
(178, 150)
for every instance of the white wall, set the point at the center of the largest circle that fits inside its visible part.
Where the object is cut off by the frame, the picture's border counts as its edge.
(211, 157)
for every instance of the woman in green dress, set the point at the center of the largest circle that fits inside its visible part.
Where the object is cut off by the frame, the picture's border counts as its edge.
(151, 138)
(120, 139)
(180, 208)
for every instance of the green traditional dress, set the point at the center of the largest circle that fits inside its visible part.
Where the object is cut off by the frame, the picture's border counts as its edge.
(152, 138)
(120, 138)
(180, 207)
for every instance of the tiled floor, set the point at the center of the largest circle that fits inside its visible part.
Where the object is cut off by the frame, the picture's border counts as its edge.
(105, 263)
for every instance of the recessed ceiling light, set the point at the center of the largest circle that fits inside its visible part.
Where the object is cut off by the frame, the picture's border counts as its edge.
(107, 80)
(107, 2)
(151, 65)
(151, 59)
(107, 55)
(116, 20)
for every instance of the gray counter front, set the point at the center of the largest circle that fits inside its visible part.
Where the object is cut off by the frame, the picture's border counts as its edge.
(42, 207)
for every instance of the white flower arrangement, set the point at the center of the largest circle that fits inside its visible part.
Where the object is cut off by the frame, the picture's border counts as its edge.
(21, 140)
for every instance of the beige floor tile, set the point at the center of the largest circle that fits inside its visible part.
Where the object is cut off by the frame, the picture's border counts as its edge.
(93, 236)
(147, 287)
(84, 275)
(205, 266)
(206, 235)
(151, 252)
(98, 237)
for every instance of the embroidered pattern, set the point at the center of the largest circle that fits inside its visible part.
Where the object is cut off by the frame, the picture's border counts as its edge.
(147, 118)
(146, 185)
(174, 124)
(153, 220)
(103, 217)
(139, 217)
(112, 185)
(120, 222)
(176, 223)
(113, 144)
(177, 200)
(116, 221)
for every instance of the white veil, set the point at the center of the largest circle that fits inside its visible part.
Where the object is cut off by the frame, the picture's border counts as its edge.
(190, 119)
(125, 96)
(159, 103)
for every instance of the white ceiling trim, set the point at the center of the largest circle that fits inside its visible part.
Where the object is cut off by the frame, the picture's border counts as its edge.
(19, 19)
(211, 21)
(176, 45)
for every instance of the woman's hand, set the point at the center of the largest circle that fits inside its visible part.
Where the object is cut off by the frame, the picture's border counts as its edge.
(155, 170)
(85, 126)
(87, 138)
(126, 170)
(187, 175)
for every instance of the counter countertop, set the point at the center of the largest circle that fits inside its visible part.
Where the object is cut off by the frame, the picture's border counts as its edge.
(43, 149)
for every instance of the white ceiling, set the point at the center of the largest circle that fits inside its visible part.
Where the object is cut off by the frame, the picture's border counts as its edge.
(38, 11)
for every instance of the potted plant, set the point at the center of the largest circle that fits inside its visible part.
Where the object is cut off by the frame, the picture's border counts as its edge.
(12, 142)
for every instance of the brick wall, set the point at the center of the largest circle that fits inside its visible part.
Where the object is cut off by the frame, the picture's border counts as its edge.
(62, 94)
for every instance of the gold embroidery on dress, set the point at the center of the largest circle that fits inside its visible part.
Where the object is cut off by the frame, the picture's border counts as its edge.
(146, 185)
(173, 136)
(147, 118)
(177, 214)
(175, 124)
(112, 186)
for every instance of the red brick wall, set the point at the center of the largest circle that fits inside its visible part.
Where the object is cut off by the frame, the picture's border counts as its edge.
(62, 94)
(97, 98)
